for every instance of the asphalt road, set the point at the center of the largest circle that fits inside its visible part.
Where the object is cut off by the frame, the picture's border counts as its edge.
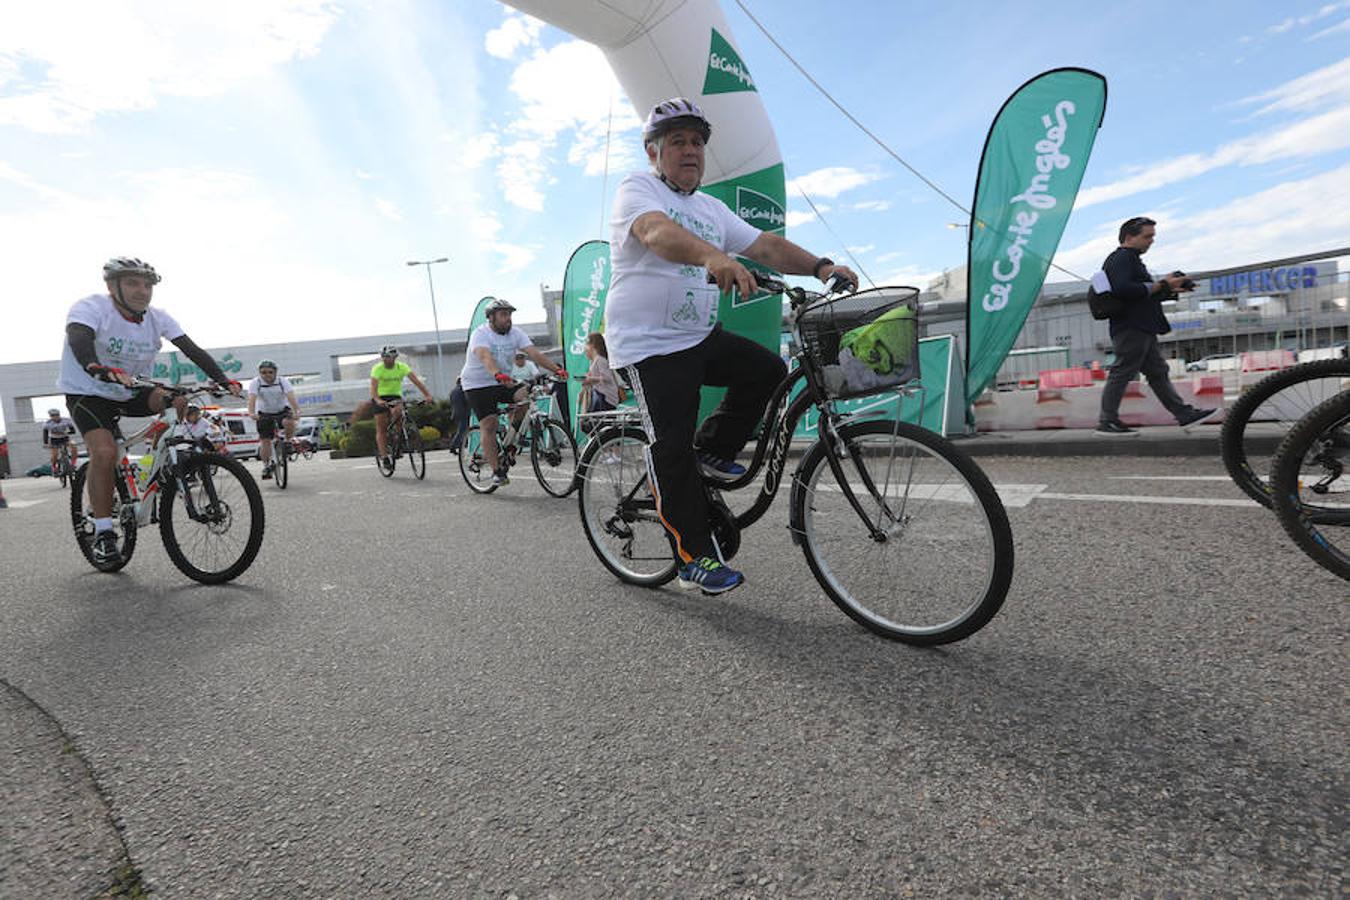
(418, 692)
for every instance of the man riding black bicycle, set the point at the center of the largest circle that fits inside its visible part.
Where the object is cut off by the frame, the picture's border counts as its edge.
(271, 402)
(111, 339)
(56, 432)
(661, 327)
(487, 380)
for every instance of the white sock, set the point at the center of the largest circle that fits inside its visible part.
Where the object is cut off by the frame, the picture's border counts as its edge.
(103, 524)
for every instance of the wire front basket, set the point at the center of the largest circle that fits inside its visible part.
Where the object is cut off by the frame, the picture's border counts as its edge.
(863, 343)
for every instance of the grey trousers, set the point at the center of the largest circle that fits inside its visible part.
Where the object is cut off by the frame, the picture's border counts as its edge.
(1137, 351)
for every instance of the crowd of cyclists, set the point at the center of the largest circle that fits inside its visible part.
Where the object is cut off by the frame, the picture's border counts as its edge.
(673, 251)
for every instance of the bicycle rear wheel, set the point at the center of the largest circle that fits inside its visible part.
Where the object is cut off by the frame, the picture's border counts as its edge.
(940, 564)
(82, 518)
(416, 450)
(618, 510)
(553, 453)
(282, 466)
(218, 539)
(1266, 412)
(63, 466)
(1310, 484)
(477, 473)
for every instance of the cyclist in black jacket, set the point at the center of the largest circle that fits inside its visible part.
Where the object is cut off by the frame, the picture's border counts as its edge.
(1134, 332)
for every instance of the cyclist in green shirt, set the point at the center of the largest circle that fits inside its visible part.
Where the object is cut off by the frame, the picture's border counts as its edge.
(386, 393)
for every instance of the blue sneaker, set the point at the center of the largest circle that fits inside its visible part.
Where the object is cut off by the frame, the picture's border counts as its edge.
(709, 576)
(719, 468)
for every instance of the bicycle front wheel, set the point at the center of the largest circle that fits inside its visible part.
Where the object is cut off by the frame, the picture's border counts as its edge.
(214, 530)
(281, 472)
(416, 450)
(553, 453)
(477, 473)
(1264, 415)
(618, 509)
(82, 517)
(1310, 484)
(926, 556)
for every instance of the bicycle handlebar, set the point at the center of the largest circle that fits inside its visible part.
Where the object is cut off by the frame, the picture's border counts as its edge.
(837, 284)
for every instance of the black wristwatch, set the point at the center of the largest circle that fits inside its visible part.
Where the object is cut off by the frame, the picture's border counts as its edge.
(820, 264)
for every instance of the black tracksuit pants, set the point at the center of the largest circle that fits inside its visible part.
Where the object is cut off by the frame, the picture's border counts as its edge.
(667, 389)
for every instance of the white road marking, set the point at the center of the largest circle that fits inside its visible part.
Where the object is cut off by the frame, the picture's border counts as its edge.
(20, 504)
(1015, 496)
(1169, 478)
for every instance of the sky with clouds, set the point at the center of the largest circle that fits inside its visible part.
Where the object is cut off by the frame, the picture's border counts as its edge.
(280, 160)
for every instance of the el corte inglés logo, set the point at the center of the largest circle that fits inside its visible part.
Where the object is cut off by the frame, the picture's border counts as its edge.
(726, 72)
(760, 210)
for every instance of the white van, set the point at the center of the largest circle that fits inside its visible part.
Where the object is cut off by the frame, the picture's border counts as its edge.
(243, 432)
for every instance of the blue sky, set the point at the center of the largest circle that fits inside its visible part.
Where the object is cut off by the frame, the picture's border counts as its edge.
(280, 162)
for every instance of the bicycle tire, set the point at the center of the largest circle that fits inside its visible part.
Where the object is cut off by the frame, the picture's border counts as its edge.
(281, 465)
(82, 519)
(416, 450)
(1288, 394)
(1321, 438)
(951, 534)
(63, 464)
(386, 464)
(222, 498)
(553, 454)
(612, 467)
(472, 467)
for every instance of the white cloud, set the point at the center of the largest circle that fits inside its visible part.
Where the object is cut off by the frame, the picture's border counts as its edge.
(568, 89)
(485, 227)
(516, 31)
(363, 175)
(1313, 136)
(797, 217)
(1315, 90)
(1299, 21)
(861, 249)
(830, 182)
(1284, 220)
(873, 205)
(387, 209)
(177, 52)
(514, 256)
(1341, 28)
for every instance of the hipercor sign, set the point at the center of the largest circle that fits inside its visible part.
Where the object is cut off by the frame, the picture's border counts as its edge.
(1288, 278)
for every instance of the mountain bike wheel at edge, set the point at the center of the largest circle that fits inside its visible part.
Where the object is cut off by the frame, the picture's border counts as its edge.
(1310, 484)
(1283, 397)
(553, 453)
(940, 565)
(618, 511)
(123, 513)
(224, 537)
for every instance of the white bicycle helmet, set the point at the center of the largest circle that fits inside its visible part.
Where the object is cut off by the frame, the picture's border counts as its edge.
(677, 112)
(389, 350)
(129, 265)
(498, 304)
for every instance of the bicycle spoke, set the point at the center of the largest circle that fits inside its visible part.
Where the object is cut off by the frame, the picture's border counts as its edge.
(931, 556)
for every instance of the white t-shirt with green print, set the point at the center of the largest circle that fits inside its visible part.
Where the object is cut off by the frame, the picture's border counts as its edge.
(656, 306)
(118, 342)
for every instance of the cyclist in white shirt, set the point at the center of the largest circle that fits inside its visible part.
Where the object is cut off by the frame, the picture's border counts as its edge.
(487, 380)
(661, 327)
(271, 400)
(56, 433)
(111, 339)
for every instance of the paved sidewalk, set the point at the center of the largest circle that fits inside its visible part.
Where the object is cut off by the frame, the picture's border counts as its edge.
(1199, 440)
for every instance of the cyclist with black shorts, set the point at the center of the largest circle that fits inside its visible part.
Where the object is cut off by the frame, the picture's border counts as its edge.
(111, 339)
(56, 433)
(386, 394)
(271, 401)
(661, 327)
(487, 380)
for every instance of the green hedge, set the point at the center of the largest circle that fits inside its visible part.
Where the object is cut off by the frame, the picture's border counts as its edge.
(360, 439)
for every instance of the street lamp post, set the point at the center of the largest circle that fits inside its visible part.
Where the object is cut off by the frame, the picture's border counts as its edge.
(435, 320)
